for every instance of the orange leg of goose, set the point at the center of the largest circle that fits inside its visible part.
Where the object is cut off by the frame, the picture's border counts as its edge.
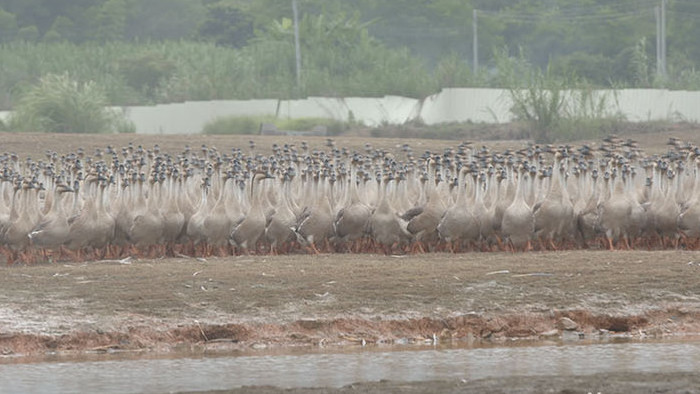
(417, 248)
(500, 243)
(312, 247)
(370, 246)
(508, 247)
(626, 242)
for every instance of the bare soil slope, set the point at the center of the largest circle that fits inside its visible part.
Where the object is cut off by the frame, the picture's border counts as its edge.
(260, 301)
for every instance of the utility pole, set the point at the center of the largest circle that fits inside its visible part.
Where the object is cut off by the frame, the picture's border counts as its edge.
(660, 13)
(663, 38)
(475, 45)
(657, 17)
(297, 48)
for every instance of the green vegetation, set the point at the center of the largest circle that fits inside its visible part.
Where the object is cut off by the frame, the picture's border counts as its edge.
(59, 104)
(554, 107)
(178, 71)
(242, 49)
(251, 124)
(236, 124)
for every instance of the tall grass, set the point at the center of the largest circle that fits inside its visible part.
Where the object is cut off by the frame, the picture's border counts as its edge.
(60, 104)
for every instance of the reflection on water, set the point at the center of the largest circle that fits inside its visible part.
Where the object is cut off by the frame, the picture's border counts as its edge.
(335, 370)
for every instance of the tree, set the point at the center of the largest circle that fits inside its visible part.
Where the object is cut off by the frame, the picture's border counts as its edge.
(226, 25)
(111, 21)
(62, 29)
(144, 72)
(164, 19)
(28, 33)
(8, 26)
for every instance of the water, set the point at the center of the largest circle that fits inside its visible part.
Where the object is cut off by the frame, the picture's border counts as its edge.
(339, 369)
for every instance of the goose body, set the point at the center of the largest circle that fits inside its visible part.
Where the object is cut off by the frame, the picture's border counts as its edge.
(146, 202)
(518, 224)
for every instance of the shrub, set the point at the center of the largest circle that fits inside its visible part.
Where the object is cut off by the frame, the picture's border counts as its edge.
(122, 125)
(251, 124)
(541, 106)
(236, 124)
(60, 104)
(333, 127)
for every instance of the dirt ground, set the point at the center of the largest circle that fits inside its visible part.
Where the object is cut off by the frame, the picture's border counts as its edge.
(651, 137)
(334, 300)
(262, 302)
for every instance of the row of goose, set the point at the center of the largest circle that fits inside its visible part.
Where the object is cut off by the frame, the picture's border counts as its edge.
(199, 202)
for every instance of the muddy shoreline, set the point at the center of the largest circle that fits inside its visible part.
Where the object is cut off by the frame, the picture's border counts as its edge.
(336, 334)
(262, 302)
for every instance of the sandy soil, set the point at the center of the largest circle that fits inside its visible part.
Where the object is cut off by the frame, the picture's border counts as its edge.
(262, 302)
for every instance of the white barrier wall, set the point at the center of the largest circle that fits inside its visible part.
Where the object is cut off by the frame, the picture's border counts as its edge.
(191, 116)
(462, 105)
(450, 105)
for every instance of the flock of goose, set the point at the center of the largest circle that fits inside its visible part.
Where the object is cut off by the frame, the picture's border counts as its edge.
(198, 202)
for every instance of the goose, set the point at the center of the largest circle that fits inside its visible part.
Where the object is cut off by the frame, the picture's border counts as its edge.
(351, 221)
(459, 223)
(53, 230)
(103, 228)
(483, 215)
(194, 228)
(279, 230)
(615, 214)
(386, 227)
(315, 225)
(336, 199)
(186, 187)
(217, 225)
(246, 234)
(689, 218)
(6, 204)
(639, 217)
(146, 229)
(123, 213)
(93, 227)
(518, 225)
(554, 215)
(236, 202)
(586, 209)
(502, 197)
(663, 212)
(423, 226)
(16, 235)
(173, 217)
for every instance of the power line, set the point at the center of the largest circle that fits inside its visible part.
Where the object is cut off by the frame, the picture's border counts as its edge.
(537, 18)
(684, 15)
(592, 11)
